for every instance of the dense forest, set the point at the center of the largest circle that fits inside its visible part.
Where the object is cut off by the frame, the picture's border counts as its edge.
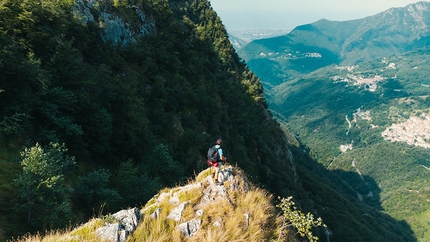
(135, 117)
(91, 123)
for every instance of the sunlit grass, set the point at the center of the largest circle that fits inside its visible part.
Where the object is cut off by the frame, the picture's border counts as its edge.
(248, 215)
(82, 233)
(222, 220)
(153, 230)
(202, 175)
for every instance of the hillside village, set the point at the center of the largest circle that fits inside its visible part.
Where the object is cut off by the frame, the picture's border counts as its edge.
(368, 83)
(414, 131)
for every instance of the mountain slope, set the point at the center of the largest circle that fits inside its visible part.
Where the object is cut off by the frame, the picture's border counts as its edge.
(200, 211)
(312, 46)
(130, 95)
(136, 99)
(369, 119)
(236, 210)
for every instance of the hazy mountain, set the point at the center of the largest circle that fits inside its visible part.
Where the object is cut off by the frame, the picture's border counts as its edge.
(236, 41)
(312, 46)
(240, 37)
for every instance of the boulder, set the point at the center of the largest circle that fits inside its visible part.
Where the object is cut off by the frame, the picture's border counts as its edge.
(129, 218)
(156, 213)
(176, 213)
(188, 229)
(127, 222)
(109, 232)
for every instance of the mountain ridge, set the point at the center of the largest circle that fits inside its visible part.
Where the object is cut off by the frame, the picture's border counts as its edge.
(393, 31)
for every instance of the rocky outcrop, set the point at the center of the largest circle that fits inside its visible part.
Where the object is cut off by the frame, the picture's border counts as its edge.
(204, 210)
(209, 194)
(176, 213)
(188, 229)
(127, 222)
(114, 27)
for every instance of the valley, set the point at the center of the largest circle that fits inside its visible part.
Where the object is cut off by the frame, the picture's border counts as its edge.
(358, 106)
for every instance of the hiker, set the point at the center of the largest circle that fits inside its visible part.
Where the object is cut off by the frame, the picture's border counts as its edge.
(217, 160)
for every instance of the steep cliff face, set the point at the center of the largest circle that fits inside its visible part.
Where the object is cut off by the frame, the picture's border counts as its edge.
(115, 28)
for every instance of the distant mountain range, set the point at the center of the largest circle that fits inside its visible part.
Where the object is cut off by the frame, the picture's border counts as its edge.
(312, 46)
(240, 37)
(356, 94)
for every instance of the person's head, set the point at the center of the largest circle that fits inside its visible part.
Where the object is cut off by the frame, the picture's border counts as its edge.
(219, 142)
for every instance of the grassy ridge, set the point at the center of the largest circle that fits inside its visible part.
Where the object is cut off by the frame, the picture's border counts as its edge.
(257, 203)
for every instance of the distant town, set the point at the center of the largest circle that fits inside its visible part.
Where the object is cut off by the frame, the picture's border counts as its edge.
(249, 35)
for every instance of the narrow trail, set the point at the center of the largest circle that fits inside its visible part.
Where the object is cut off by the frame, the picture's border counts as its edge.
(349, 124)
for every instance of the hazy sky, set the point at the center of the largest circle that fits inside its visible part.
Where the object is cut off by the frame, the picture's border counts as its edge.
(287, 14)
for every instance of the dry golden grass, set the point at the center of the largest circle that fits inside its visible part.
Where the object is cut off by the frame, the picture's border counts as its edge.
(153, 230)
(80, 234)
(202, 175)
(234, 226)
(222, 220)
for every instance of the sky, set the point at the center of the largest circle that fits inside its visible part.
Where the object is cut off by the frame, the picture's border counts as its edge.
(288, 14)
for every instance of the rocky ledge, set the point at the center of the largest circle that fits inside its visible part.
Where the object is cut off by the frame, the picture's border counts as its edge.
(206, 190)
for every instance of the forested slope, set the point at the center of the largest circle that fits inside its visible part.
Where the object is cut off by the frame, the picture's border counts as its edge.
(370, 119)
(145, 111)
(104, 103)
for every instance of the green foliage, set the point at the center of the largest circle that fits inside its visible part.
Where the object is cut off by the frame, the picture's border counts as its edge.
(42, 186)
(303, 223)
(93, 190)
(10, 125)
(134, 186)
(162, 165)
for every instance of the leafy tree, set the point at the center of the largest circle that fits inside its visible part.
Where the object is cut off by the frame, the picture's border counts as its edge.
(296, 218)
(93, 189)
(161, 164)
(42, 186)
(133, 186)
